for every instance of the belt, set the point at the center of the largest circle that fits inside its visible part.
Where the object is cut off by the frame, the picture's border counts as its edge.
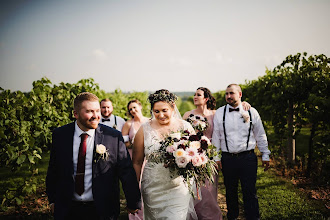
(82, 203)
(238, 154)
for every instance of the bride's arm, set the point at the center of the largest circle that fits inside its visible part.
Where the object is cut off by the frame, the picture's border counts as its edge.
(138, 152)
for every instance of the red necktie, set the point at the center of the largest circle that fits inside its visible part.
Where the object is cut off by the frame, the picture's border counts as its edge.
(80, 174)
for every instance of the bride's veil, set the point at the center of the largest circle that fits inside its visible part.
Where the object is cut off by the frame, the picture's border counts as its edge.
(176, 114)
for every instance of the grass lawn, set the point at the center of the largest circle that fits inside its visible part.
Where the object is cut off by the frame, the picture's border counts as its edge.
(278, 198)
(35, 205)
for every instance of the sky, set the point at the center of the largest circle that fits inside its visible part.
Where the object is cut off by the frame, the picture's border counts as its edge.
(147, 45)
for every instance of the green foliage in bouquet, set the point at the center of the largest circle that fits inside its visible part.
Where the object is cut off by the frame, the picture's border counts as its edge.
(187, 155)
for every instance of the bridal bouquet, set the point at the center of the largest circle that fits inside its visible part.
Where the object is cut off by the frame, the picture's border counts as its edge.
(198, 122)
(187, 155)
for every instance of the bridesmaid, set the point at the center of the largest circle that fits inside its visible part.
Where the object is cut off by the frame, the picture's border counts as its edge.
(205, 103)
(134, 109)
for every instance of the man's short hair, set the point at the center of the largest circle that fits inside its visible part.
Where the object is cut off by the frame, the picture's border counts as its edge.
(84, 96)
(235, 85)
(105, 100)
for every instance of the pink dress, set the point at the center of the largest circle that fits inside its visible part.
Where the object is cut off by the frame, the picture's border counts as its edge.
(131, 134)
(208, 208)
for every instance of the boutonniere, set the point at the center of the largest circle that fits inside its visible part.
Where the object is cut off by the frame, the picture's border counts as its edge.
(245, 116)
(102, 152)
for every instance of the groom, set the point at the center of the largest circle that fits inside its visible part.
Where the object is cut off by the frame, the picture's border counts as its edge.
(87, 160)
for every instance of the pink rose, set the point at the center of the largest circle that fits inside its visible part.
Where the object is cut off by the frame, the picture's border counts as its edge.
(196, 161)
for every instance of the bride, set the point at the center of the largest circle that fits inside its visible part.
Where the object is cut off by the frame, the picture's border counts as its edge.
(164, 197)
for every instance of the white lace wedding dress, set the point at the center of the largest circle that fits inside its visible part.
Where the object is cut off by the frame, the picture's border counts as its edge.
(163, 196)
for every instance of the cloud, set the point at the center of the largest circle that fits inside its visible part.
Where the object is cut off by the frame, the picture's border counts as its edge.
(99, 54)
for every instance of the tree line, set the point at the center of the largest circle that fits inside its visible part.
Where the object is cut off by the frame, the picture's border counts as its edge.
(293, 95)
(27, 120)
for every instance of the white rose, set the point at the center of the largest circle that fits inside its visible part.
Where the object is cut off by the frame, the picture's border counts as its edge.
(101, 149)
(195, 144)
(175, 135)
(182, 161)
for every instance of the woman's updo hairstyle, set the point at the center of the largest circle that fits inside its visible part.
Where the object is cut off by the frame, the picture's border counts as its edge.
(211, 103)
(162, 95)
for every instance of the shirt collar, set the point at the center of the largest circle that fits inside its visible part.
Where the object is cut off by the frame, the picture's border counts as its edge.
(239, 106)
(110, 117)
(78, 131)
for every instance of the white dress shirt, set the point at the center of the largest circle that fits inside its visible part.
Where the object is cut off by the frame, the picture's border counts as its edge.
(87, 195)
(111, 123)
(237, 131)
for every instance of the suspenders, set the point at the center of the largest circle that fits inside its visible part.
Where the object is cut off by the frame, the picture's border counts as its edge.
(224, 128)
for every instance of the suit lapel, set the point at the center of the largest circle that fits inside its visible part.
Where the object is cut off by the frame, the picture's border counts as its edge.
(69, 142)
(97, 140)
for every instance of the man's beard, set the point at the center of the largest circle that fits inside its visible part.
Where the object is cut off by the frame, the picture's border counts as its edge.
(90, 126)
(106, 116)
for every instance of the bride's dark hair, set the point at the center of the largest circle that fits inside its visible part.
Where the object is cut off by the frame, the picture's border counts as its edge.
(211, 103)
(162, 95)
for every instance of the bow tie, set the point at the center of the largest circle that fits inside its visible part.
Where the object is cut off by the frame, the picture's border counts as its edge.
(233, 109)
(105, 119)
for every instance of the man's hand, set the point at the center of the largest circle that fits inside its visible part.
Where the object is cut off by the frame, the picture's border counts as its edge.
(52, 206)
(219, 165)
(266, 165)
(132, 211)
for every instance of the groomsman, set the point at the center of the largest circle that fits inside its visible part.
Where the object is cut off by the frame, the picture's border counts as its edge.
(236, 133)
(87, 160)
(108, 118)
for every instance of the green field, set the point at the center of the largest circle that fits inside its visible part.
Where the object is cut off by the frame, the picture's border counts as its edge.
(278, 197)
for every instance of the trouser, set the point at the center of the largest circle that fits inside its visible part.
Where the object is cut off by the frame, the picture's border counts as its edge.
(85, 211)
(82, 211)
(241, 167)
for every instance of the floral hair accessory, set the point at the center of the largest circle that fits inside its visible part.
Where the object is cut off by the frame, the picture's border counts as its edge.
(162, 95)
(102, 152)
